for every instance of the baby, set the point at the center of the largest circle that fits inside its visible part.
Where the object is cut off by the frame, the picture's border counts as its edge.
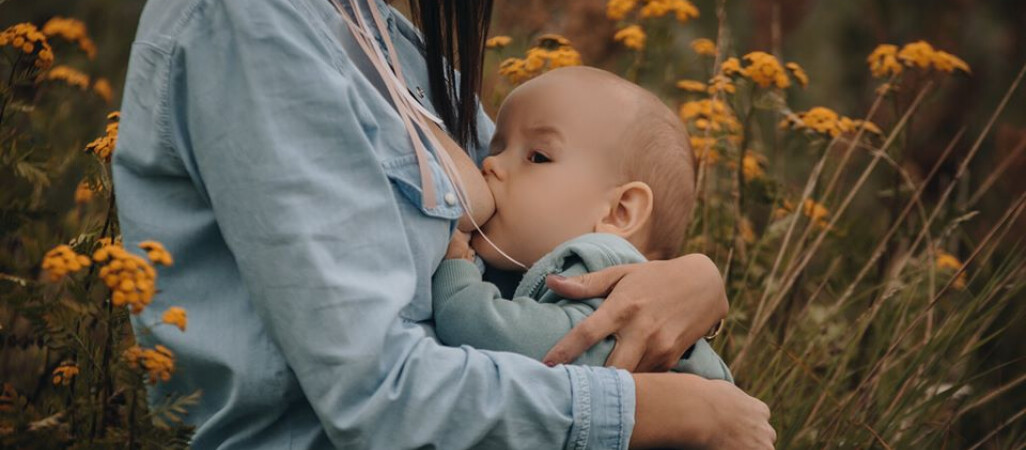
(587, 171)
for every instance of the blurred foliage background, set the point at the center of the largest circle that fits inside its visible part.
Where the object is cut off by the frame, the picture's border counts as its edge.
(964, 387)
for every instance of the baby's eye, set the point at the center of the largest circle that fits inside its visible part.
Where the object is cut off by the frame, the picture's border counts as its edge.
(538, 157)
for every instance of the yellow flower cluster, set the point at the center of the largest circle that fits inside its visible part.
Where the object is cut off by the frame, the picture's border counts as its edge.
(949, 263)
(63, 374)
(156, 252)
(62, 260)
(131, 279)
(710, 114)
(704, 47)
(751, 165)
(691, 85)
(498, 42)
(103, 146)
(72, 30)
(84, 192)
(886, 59)
(159, 362)
(552, 51)
(816, 212)
(68, 75)
(721, 83)
(683, 9)
(175, 316)
(764, 69)
(102, 88)
(730, 67)
(632, 37)
(618, 9)
(826, 121)
(27, 39)
(798, 73)
(883, 62)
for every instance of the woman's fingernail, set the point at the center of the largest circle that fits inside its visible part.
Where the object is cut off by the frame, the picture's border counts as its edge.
(550, 363)
(557, 277)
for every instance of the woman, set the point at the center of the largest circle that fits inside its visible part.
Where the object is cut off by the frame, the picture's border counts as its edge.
(259, 145)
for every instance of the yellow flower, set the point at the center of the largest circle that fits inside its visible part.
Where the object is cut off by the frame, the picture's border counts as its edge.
(27, 39)
(131, 279)
(731, 66)
(946, 62)
(949, 263)
(632, 37)
(618, 9)
(102, 88)
(158, 362)
(720, 83)
(72, 30)
(798, 73)
(684, 10)
(514, 69)
(103, 146)
(765, 70)
(498, 42)
(883, 62)
(691, 85)
(175, 316)
(710, 114)
(63, 374)
(919, 53)
(62, 260)
(826, 121)
(751, 167)
(553, 51)
(84, 192)
(704, 47)
(816, 212)
(68, 75)
(156, 252)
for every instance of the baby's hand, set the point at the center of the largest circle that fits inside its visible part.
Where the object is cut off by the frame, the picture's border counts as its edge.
(459, 247)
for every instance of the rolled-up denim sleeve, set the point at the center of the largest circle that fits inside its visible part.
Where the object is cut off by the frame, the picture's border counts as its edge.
(268, 119)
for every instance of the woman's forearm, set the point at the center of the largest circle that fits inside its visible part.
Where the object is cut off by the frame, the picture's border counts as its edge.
(687, 411)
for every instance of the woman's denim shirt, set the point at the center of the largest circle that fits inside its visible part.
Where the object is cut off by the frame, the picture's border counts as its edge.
(286, 188)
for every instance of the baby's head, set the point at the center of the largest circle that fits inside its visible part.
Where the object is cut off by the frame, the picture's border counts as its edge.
(580, 150)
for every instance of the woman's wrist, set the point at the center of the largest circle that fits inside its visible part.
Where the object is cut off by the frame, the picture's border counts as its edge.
(671, 412)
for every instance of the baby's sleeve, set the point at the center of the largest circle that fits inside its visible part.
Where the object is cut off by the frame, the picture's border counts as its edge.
(469, 311)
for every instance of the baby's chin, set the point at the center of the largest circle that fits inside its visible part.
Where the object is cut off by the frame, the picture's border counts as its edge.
(493, 257)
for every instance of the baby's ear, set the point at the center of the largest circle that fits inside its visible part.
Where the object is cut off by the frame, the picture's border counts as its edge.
(630, 211)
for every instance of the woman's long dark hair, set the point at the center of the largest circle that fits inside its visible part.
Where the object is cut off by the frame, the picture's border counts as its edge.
(454, 36)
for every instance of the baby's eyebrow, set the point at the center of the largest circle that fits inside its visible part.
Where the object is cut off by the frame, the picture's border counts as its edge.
(546, 130)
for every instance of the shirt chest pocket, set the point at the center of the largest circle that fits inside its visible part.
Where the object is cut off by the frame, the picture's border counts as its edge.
(427, 229)
(404, 173)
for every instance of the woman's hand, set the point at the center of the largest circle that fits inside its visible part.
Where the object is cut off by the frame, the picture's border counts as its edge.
(686, 411)
(656, 310)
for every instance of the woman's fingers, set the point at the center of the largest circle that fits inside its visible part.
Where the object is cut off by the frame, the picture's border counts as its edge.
(589, 285)
(583, 336)
(626, 354)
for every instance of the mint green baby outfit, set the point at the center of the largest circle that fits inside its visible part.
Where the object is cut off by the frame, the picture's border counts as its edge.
(469, 311)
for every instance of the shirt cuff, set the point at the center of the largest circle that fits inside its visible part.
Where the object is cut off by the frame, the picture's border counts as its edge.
(604, 402)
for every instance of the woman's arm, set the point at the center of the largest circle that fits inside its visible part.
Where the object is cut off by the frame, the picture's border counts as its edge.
(657, 310)
(268, 117)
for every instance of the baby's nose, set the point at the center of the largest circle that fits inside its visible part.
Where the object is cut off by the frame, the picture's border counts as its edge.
(490, 166)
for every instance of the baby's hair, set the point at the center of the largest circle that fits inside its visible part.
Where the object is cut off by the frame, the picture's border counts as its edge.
(658, 153)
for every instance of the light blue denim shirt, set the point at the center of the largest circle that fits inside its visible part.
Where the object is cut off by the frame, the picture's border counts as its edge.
(288, 192)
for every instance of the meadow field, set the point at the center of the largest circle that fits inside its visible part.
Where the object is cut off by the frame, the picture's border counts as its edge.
(859, 185)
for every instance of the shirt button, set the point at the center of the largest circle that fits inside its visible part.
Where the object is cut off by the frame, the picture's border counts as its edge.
(450, 198)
